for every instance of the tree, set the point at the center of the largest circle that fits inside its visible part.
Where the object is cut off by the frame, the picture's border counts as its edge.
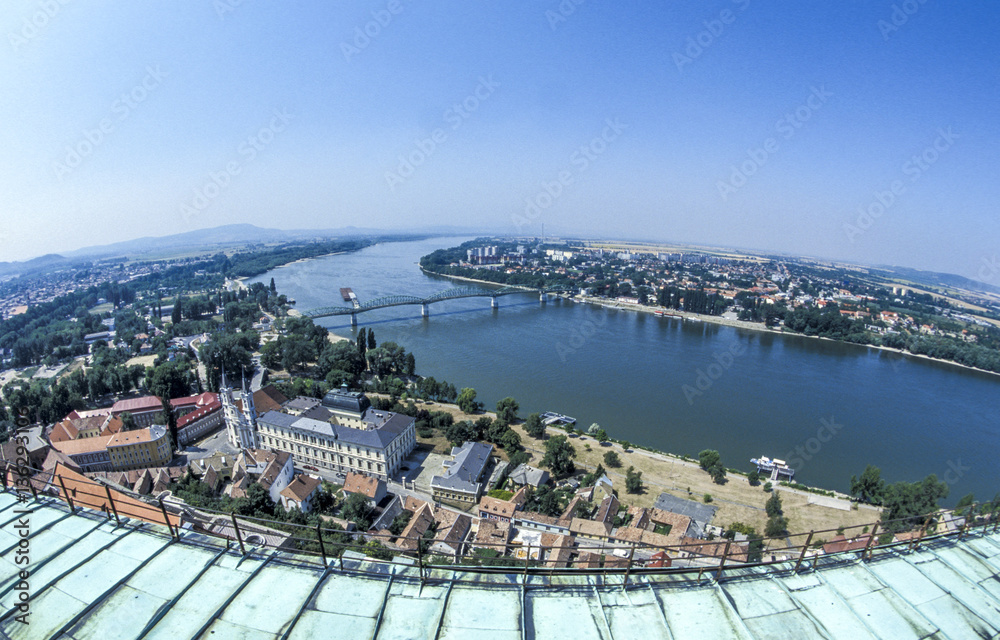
(773, 505)
(559, 455)
(507, 409)
(358, 510)
(410, 365)
(175, 315)
(509, 440)
(274, 289)
(467, 400)
(168, 380)
(870, 487)
(776, 527)
(128, 422)
(612, 460)
(711, 461)
(753, 478)
(171, 420)
(592, 429)
(533, 426)
(906, 504)
(633, 480)
(362, 342)
(371, 340)
(601, 435)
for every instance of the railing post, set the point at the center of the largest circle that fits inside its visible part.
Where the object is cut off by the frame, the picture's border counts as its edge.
(420, 559)
(628, 568)
(802, 555)
(527, 558)
(239, 538)
(6, 470)
(166, 521)
(322, 547)
(111, 503)
(869, 548)
(722, 563)
(919, 538)
(965, 525)
(69, 500)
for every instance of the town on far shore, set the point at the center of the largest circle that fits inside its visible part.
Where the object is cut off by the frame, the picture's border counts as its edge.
(861, 305)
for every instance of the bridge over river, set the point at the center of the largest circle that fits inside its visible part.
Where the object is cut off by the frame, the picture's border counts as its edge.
(449, 294)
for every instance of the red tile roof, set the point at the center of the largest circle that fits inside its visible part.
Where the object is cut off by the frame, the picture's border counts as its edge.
(199, 413)
(138, 405)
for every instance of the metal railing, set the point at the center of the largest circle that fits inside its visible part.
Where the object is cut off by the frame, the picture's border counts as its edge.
(601, 556)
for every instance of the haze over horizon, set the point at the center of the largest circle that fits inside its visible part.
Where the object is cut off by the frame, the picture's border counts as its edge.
(732, 123)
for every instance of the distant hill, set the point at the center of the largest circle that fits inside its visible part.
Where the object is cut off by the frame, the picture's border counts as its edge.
(947, 280)
(217, 237)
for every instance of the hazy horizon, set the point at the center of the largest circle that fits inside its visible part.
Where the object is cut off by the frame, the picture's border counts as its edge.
(864, 133)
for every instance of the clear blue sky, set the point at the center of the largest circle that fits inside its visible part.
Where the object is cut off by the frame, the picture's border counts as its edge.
(695, 90)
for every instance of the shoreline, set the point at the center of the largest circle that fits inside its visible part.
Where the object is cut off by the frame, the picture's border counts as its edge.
(718, 320)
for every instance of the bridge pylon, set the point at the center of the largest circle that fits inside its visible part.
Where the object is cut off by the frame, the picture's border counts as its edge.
(493, 303)
(424, 311)
(354, 319)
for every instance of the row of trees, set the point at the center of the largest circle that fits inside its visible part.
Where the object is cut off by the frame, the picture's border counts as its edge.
(905, 504)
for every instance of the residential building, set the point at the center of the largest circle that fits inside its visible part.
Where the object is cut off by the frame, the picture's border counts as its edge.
(523, 475)
(371, 487)
(421, 520)
(491, 508)
(89, 454)
(590, 529)
(462, 480)
(202, 420)
(450, 538)
(272, 470)
(141, 448)
(299, 493)
(145, 410)
(492, 535)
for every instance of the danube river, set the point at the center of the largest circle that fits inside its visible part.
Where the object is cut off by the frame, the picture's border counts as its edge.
(827, 408)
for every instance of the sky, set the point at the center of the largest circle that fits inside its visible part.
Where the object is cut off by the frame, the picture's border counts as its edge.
(861, 131)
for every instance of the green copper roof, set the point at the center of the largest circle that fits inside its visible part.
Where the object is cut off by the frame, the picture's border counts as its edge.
(92, 580)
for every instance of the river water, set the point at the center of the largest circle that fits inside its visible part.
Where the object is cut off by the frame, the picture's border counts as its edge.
(679, 386)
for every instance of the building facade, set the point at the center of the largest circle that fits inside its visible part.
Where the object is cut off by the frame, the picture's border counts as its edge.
(139, 449)
(355, 438)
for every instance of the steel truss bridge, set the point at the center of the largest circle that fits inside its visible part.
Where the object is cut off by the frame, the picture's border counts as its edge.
(449, 294)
